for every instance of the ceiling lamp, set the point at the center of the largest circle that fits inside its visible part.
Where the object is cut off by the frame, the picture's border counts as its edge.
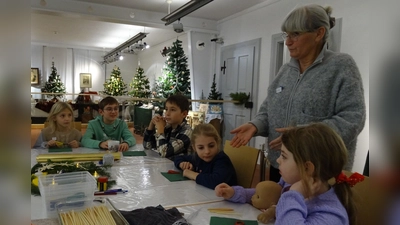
(184, 10)
(138, 37)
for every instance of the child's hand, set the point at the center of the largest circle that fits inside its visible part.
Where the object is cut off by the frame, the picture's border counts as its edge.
(224, 190)
(123, 147)
(103, 145)
(190, 174)
(160, 125)
(74, 144)
(186, 165)
(316, 186)
(51, 143)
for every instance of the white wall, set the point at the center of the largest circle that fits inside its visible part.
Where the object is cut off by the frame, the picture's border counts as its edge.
(266, 21)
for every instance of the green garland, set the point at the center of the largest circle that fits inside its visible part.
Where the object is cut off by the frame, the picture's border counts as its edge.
(65, 167)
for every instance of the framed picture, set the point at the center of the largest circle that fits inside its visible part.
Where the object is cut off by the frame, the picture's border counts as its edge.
(86, 80)
(35, 76)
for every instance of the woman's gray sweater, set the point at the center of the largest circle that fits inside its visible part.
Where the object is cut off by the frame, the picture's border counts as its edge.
(329, 91)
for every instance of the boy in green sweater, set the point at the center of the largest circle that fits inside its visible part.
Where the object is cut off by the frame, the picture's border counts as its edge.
(108, 126)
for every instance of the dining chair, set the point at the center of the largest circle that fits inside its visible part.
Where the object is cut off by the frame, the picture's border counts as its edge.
(362, 199)
(244, 160)
(77, 125)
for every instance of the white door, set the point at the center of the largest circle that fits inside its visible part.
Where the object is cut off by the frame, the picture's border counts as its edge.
(236, 75)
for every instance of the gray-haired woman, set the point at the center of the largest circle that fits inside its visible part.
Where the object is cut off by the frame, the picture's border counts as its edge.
(317, 85)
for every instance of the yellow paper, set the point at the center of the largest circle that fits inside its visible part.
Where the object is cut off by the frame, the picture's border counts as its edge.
(75, 157)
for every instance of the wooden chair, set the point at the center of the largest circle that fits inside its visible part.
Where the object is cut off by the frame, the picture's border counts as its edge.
(77, 125)
(362, 198)
(244, 160)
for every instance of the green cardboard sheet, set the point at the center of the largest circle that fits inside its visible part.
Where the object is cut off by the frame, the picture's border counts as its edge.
(230, 221)
(134, 153)
(67, 149)
(174, 177)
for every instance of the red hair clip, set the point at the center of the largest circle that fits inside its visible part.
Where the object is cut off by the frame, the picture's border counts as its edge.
(352, 180)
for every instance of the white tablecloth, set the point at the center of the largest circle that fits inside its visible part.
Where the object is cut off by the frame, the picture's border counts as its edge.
(141, 176)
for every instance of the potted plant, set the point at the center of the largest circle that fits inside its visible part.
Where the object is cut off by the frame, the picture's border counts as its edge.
(241, 97)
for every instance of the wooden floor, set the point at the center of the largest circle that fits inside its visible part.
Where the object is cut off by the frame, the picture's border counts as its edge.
(139, 139)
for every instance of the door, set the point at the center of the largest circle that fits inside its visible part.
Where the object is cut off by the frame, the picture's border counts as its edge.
(238, 69)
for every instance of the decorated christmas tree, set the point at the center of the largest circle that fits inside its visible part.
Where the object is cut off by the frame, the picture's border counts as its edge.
(140, 85)
(54, 84)
(115, 86)
(214, 94)
(176, 78)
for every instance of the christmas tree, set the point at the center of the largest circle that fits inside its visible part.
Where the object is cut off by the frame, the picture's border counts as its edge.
(176, 78)
(214, 94)
(140, 85)
(54, 84)
(115, 86)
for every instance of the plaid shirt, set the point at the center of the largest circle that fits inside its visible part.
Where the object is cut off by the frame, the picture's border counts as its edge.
(172, 142)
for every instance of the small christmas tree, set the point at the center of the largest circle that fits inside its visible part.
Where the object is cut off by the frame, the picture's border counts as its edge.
(115, 86)
(54, 84)
(214, 94)
(176, 77)
(140, 85)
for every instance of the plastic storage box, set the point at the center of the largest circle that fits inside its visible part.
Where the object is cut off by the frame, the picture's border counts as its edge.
(55, 188)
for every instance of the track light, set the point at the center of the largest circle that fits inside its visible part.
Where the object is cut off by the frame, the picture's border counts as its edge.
(184, 10)
(129, 43)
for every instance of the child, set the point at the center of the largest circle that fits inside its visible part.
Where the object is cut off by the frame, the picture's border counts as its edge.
(209, 166)
(108, 126)
(61, 128)
(170, 134)
(310, 156)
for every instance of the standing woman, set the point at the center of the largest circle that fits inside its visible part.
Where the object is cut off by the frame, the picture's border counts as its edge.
(317, 85)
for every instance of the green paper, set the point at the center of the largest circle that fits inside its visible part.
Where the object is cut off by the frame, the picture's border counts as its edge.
(174, 177)
(67, 149)
(134, 153)
(230, 221)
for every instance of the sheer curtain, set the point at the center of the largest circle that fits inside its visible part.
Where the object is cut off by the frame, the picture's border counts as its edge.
(62, 58)
(69, 64)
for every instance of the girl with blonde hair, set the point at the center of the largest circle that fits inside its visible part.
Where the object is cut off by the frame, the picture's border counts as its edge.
(61, 129)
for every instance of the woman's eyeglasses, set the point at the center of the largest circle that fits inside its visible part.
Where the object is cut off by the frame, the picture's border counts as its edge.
(293, 36)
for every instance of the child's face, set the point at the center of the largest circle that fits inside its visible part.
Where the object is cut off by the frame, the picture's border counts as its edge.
(206, 148)
(64, 119)
(110, 113)
(288, 167)
(173, 114)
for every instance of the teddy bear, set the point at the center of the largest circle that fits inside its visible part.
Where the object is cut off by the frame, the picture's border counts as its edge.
(265, 198)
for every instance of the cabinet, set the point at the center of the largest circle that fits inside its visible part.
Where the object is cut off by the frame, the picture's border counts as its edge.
(141, 119)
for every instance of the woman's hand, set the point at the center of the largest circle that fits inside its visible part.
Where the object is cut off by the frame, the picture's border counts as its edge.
(74, 144)
(224, 190)
(276, 144)
(186, 165)
(243, 134)
(103, 145)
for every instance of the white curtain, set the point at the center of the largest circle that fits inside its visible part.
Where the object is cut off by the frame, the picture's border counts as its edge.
(69, 64)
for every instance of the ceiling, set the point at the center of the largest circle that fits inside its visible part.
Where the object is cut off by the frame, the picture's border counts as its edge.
(105, 24)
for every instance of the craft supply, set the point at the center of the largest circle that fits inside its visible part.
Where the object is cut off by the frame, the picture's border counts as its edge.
(108, 159)
(42, 158)
(220, 209)
(173, 172)
(105, 193)
(98, 215)
(102, 183)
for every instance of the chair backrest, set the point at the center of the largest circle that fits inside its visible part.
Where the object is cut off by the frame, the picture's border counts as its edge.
(244, 160)
(77, 125)
(362, 199)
